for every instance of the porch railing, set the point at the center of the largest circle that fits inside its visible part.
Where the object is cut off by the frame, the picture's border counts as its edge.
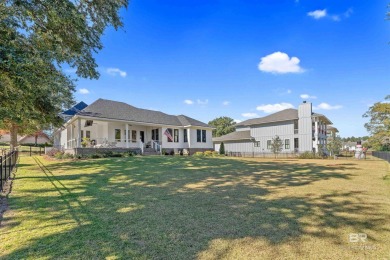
(104, 143)
(156, 146)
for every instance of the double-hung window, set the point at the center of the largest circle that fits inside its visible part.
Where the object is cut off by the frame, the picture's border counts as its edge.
(269, 144)
(287, 144)
(134, 136)
(117, 135)
(201, 136)
(170, 131)
(176, 135)
(185, 134)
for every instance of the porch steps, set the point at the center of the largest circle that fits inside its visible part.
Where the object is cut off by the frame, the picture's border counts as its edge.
(150, 151)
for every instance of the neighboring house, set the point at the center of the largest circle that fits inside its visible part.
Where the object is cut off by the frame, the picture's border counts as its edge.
(351, 146)
(300, 129)
(112, 124)
(331, 131)
(37, 138)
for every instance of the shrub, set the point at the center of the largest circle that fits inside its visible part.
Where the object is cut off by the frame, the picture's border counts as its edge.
(172, 153)
(86, 141)
(37, 145)
(108, 154)
(116, 155)
(129, 154)
(58, 155)
(67, 156)
(208, 153)
(222, 149)
(309, 155)
(96, 156)
(199, 154)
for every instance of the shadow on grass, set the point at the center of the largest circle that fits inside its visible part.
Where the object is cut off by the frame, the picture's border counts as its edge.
(164, 207)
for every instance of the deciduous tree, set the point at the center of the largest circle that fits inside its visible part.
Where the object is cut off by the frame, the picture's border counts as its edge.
(223, 125)
(276, 145)
(37, 37)
(334, 145)
(379, 123)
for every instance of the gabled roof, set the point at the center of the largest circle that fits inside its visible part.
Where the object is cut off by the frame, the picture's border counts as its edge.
(39, 134)
(76, 108)
(238, 135)
(103, 108)
(284, 115)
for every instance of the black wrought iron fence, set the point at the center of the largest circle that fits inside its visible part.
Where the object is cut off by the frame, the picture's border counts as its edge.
(25, 150)
(7, 165)
(382, 155)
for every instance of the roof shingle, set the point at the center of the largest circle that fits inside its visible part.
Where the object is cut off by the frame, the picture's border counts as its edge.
(238, 135)
(284, 115)
(109, 109)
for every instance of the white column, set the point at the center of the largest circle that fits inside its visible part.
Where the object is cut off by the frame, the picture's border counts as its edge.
(71, 135)
(78, 132)
(127, 135)
(316, 134)
(189, 137)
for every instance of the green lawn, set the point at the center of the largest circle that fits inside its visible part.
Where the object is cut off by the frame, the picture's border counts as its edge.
(206, 208)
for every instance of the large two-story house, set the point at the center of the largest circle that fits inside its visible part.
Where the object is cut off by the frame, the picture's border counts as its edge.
(300, 130)
(111, 124)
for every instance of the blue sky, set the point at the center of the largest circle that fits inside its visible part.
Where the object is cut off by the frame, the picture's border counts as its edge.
(246, 59)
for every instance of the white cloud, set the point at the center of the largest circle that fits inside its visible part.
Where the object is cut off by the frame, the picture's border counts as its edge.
(272, 108)
(116, 71)
(83, 91)
(202, 102)
(280, 63)
(188, 102)
(326, 106)
(250, 115)
(318, 14)
(237, 121)
(226, 103)
(307, 96)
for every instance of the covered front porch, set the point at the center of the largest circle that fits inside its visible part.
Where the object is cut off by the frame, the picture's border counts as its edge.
(92, 133)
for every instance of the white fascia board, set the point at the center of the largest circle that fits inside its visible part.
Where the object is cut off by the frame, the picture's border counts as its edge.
(129, 122)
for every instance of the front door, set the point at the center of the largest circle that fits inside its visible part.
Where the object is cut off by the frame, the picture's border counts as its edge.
(142, 136)
(155, 135)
